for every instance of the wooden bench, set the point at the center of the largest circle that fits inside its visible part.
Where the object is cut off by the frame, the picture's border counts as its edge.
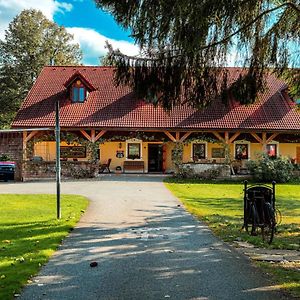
(133, 165)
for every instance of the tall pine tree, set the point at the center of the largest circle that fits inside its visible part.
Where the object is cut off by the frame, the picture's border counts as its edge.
(187, 43)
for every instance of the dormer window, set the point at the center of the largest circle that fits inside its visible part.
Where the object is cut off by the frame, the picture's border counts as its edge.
(79, 92)
(78, 88)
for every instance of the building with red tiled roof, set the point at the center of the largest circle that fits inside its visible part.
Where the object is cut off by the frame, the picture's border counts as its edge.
(136, 135)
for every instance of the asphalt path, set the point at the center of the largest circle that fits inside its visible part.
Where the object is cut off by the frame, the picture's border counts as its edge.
(146, 247)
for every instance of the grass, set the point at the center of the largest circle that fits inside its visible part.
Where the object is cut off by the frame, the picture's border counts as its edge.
(220, 206)
(30, 233)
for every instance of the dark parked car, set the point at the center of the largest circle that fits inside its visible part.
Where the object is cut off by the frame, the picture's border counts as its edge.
(7, 170)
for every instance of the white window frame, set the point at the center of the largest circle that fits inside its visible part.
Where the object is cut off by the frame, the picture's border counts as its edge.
(277, 146)
(243, 142)
(134, 141)
(192, 147)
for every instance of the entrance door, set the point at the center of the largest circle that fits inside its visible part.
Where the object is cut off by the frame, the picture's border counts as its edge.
(155, 158)
(298, 155)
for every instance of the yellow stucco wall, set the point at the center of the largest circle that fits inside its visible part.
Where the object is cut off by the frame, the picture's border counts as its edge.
(285, 149)
(109, 150)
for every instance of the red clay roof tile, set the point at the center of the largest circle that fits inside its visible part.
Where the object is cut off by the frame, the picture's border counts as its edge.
(117, 107)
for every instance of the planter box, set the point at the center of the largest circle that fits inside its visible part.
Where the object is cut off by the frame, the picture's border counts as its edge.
(203, 168)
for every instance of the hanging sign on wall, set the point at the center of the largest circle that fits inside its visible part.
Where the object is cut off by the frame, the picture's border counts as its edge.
(120, 154)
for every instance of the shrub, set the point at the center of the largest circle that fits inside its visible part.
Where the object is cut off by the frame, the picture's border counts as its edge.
(5, 157)
(184, 171)
(266, 169)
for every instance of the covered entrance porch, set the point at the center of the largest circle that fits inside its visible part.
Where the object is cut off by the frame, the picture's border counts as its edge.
(148, 151)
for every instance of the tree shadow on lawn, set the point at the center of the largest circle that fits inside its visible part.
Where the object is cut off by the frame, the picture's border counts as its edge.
(169, 255)
(24, 247)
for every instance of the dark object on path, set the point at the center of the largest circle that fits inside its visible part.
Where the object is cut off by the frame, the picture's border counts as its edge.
(259, 210)
(104, 167)
(7, 170)
(93, 264)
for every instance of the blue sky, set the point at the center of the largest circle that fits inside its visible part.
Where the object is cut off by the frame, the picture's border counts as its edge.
(90, 26)
(85, 14)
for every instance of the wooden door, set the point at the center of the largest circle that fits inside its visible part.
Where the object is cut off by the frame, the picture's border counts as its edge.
(298, 155)
(155, 158)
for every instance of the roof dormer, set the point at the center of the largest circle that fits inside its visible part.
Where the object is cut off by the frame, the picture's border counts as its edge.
(78, 88)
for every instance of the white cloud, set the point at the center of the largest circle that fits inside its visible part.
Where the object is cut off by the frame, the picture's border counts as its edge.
(93, 43)
(10, 8)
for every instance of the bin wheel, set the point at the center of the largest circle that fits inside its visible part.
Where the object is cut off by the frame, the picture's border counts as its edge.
(252, 221)
(269, 224)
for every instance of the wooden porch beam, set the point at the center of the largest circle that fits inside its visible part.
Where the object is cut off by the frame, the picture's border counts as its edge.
(264, 141)
(99, 135)
(93, 133)
(218, 135)
(170, 136)
(226, 137)
(84, 133)
(273, 136)
(31, 135)
(185, 136)
(24, 145)
(177, 136)
(234, 137)
(257, 137)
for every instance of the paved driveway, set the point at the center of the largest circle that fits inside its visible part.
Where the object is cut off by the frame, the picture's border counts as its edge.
(146, 248)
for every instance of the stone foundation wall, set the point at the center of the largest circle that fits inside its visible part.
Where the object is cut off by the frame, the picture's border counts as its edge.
(223, 170)
(47, 169)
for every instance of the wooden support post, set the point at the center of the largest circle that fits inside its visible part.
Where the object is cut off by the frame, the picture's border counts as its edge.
(227, 137)
(31, 135)
(84, 133)
(177, 136)
(264, 142)
(258, 139)
(99, 135)
(93, 135)
(24, 145)
(272, 137)
(227, 150)
(234, 137)
(218, 136)
(170, 136)
(185, 136)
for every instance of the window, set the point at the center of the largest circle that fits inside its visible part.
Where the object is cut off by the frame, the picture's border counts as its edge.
(78, 92)
(241, 151)
(134, 150)
(199, 151)
(272, 150)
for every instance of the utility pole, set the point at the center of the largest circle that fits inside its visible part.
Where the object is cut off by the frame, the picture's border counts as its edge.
(57, 141)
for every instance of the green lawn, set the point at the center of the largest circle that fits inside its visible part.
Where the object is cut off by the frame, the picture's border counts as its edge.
(221, 207)
(30, 233)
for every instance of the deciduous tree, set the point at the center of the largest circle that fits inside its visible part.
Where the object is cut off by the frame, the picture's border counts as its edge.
(31, 42)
